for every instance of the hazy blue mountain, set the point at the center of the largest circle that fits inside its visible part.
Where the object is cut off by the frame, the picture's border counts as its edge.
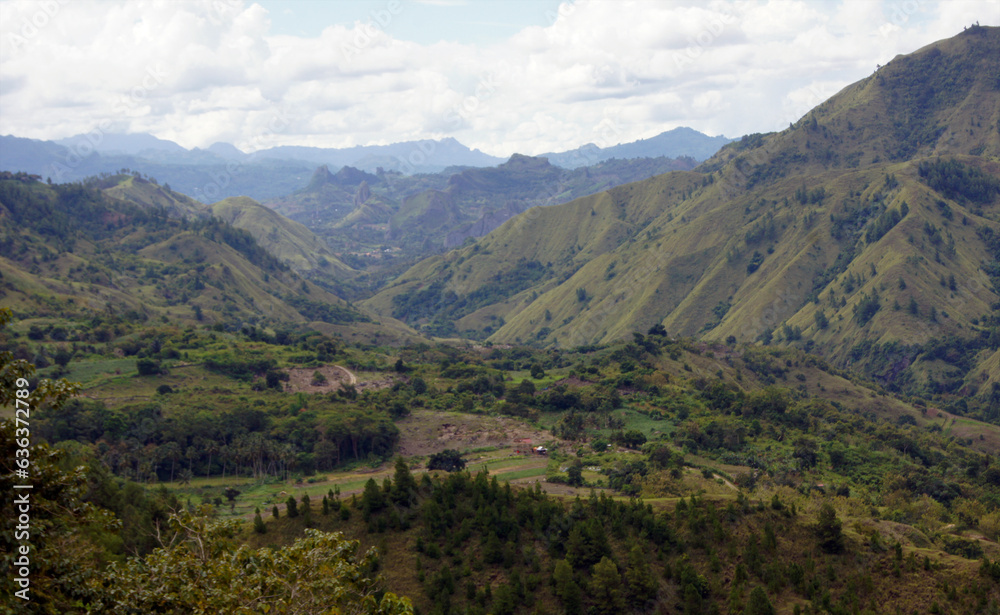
(222, 170)
(106, 142)
(671, 144)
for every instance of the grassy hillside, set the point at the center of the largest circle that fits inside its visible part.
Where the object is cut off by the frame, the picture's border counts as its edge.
(145, 192)
(867, 231)
(290, 241)
(71, 251)
(376, 219)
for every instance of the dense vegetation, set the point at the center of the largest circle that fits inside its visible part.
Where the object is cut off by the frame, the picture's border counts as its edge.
(840, 474)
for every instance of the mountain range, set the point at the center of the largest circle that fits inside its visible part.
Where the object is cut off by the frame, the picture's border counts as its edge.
(222, 170)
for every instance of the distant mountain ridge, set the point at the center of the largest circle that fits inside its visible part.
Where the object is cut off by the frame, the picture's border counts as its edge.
(674, 143)
(222, 170)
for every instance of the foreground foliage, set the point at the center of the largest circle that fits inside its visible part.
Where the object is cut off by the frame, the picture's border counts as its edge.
(206, 570)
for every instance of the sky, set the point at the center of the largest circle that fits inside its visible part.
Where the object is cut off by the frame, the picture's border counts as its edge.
(524, 76)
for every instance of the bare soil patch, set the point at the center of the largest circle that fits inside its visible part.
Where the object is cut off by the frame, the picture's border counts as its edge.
(300, 379)
(426, 432)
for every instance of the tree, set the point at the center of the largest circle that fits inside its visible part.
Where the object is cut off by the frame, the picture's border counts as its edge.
(258, 524)
(828, 530)
(203, 571)
(148, 367)
(306, 511)
(404, 487)
(291, 507)
(759, 604)
(372, 500)
(65, 531)
(231, 494)
(822, 322)
(448, 460)
(574, 474)
(639, 578)
(806, 451)
(567, 588)
(605, 587)
(632, 438)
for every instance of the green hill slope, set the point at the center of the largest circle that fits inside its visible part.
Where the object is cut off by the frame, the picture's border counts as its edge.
(818, 236)
(144, 192)
(288, 240)
(71, 251)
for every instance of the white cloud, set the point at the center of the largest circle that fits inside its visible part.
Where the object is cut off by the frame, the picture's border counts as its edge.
(603, 70)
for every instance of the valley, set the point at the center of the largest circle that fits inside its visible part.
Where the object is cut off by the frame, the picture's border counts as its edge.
(765, 381)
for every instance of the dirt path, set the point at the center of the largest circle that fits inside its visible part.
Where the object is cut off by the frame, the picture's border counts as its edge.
(351, 378)
(726, 482)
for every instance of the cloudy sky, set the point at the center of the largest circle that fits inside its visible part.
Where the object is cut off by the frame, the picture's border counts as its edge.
(525, 76)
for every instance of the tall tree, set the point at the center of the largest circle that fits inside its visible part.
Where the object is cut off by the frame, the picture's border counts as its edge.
(605, 587)
(828, 530)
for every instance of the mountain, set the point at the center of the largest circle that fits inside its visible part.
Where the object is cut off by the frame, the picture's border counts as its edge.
(417, 215)
(868, 231)
(222, 170)
(423, 156)
(112, 143)
(79, 251)
(676, 143)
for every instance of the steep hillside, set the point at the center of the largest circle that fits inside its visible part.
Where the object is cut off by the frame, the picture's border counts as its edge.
(866, 231)
(286, 239)
(72, 251)
(366, 216)
(144, 192)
